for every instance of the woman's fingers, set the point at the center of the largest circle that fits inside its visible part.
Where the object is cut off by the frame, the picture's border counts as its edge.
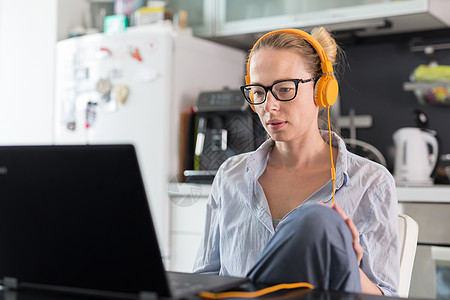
(337, 208)
(354, 231)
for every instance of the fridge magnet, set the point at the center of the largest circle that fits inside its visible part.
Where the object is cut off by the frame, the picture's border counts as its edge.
(68, 109)
(103, 86)
(102, 53)
(108, 103)
(121, 92)
(91, 114)
(152, 46)
(115, 73)
(136, 55)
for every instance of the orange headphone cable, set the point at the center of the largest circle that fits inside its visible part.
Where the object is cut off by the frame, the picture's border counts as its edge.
(259, 293)
(333, 170)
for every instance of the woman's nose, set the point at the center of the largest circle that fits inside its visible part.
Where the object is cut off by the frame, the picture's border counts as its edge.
(271, 103)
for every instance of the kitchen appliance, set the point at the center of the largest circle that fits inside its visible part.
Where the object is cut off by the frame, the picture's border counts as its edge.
(131, 87)
(223, 126)
(416, 153)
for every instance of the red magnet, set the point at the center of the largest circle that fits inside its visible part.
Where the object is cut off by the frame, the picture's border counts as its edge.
(106, 50)
(136, 55)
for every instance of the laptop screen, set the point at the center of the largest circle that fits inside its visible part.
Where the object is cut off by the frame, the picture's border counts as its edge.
(77, 217)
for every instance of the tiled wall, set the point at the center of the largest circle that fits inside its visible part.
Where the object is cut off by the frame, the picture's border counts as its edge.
(372, 83)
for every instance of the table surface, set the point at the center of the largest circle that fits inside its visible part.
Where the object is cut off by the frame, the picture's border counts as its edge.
(303, 294)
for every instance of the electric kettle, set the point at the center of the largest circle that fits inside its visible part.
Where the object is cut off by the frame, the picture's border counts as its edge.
(416, 154)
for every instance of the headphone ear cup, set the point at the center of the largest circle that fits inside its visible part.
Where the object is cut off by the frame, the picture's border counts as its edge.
(326, 91)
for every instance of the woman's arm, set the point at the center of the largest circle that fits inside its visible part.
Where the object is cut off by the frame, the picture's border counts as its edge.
(367, 286)
(208, 254)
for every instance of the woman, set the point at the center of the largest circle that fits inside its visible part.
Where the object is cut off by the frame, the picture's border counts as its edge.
(263, 218)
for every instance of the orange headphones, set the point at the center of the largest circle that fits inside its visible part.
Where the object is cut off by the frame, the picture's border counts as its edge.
(326, 90)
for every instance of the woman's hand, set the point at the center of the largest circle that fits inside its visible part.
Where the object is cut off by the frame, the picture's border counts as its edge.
(355, 233)
(367, 286)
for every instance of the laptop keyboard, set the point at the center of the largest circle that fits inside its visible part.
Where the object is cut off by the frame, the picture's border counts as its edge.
(192, 284)
(185, 288)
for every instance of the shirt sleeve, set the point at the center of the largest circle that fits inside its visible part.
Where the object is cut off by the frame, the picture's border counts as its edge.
(381, 259)
(208, 254)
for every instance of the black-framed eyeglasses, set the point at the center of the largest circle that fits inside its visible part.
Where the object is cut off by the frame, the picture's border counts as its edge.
(282, 90)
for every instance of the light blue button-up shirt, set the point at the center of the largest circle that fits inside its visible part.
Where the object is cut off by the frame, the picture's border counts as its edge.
(239, 224)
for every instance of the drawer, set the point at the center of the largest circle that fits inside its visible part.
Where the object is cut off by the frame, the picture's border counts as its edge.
(190, 218)
(184, 250)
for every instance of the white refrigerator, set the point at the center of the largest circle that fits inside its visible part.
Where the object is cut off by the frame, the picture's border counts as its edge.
(131, 87)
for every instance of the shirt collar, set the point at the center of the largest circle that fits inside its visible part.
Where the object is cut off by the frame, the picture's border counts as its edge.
(258, 157)
(256, 163)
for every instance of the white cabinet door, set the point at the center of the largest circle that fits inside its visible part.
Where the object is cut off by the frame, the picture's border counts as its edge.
(187, 225)
(237, 17)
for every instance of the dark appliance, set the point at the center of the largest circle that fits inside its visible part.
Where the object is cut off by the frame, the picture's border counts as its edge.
(222, 126)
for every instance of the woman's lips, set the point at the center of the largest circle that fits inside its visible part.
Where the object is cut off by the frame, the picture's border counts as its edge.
(276, 124)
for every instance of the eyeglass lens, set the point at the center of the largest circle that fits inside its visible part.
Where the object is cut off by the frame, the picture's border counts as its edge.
(285, 90)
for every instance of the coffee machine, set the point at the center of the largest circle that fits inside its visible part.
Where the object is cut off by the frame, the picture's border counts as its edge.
(221, 126)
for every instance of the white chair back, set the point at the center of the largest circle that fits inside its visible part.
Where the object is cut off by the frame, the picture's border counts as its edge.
(408, 231)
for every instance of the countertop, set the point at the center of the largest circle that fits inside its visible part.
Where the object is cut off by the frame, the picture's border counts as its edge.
(428, 194)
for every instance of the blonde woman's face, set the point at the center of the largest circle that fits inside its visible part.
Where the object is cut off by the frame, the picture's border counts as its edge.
(291, 120)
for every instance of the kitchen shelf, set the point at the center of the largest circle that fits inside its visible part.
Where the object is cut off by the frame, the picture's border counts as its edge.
(411, 86)
(430, 93)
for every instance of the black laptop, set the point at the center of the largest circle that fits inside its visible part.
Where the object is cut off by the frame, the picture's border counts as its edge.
(76, 219)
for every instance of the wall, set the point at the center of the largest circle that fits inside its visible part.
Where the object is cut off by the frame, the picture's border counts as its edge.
(71, 14)
(29, 30)
(27, 37)
(372, 83)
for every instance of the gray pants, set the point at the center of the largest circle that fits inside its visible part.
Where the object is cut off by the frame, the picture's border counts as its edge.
(314, 245)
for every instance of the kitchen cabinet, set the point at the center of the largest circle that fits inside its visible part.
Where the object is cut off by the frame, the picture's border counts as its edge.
(235, 22)
(200, 14)
(187, 212)
(235, 16)
(430, 208)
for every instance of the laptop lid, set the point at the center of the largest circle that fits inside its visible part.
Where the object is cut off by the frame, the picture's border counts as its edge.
(76, 218)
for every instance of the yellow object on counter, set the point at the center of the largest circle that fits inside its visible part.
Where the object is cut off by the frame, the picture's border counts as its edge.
(432, 73)
(149, 15)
